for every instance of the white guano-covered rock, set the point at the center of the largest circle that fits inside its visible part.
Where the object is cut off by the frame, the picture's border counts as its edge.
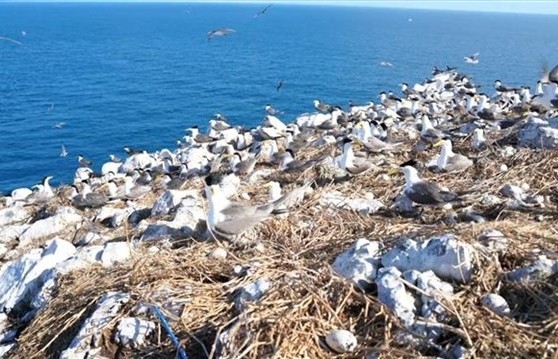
(392, 293)
(12, 232)
(86, 343)
(497, 304)
(367, 205)
(27, 281)
(132, 332)
(14, 214)
(541, 269)
(539, 133)
(137, 161)
(116, 252)
(84, 257)
(447, 257)
(360, 262)
(64, 218)
(251, 293)
(169, 200)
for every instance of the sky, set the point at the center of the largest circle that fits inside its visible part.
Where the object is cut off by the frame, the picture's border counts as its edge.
(531, 7)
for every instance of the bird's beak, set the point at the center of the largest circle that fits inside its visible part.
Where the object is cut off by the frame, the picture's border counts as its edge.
(439, 143)
(393, 171)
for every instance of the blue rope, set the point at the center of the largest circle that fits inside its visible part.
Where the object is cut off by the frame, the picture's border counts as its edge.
(174, 339)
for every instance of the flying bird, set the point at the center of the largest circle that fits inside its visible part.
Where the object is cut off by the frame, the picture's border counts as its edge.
(262, 11)
(386, 64)
(279, 85)
(63, 152)
(10, 40)
(473, 59)
(219, 32)
(59, 125)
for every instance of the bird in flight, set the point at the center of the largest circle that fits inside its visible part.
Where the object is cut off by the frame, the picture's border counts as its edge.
(262, 11)
(386, 64)
(59, 125)
(63, 152)
(279, 85)
(473, 59)
(219, 32)
(10, 40)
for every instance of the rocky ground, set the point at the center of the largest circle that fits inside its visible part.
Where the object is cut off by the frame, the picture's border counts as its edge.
(350, 270)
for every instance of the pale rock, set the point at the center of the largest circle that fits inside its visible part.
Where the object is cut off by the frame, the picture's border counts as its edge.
(90, 237)
(84, 257)
(497, 304)
(64, 218)
(116, 252)
(132, 332)
(10, 233)
(28, 282)
(539, 133)
(86, 343)
(541, 269)
(503, 167)
(404, 205)
(508, 151)
(360, 262)
(108, 167)
(108, 212)
(367, 205)
(341, 341)
(392, 293)
(245, 196)
(170, 200)
(3, 250)
(5, 348)
(251, 293)
(14, 214)
(447, 257)
(494, 240)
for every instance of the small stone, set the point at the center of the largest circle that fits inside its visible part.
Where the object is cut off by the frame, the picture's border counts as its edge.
(251, 292)
(115, 252)
(341, 341)
(496, 304)
(132, 332)
(245, 196)
(503, 167)
(218, 254)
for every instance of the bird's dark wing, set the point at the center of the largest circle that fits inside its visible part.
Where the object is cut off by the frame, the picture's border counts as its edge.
(429, 193)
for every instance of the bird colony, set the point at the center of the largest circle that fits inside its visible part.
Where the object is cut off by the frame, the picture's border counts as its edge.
(420, 225)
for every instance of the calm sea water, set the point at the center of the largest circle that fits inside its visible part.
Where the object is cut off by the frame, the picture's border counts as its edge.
(138, 74)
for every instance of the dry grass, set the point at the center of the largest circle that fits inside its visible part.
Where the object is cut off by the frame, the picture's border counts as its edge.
(307, 299)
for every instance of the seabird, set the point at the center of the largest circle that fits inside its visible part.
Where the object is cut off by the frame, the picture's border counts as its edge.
(63, 152)
(219, 32)
(228, 220)
(242, 167)
(347, 160)
(289, 164)
(279, 85)
(473, 59)
(424, 192)
(450, 161)
(386, 64)
(262, 11)
(428, 133)
(553, 75)
(322, 107)
(10, 40)
(132, 151)
(87, 198)
(270, 110)
(501, 88)
(44, 193)
(115, 159)
(478, 140)
(58, 125)
(83, 162)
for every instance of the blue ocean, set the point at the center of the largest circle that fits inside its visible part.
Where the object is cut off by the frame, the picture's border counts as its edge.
(137, 75)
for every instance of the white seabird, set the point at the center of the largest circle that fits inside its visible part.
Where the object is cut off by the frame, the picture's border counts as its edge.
(424, 192)
(228, 220)
(321, 106)
(347, 160)
(63, 152)
(219, 32)
(473, 59)
(450, 161)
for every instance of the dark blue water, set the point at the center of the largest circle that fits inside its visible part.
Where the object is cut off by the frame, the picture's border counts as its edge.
(138, 74)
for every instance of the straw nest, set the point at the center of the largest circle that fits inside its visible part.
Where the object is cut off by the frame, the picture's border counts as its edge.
(307, 299)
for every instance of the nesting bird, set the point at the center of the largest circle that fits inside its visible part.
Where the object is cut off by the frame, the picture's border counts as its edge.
(449, 161)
